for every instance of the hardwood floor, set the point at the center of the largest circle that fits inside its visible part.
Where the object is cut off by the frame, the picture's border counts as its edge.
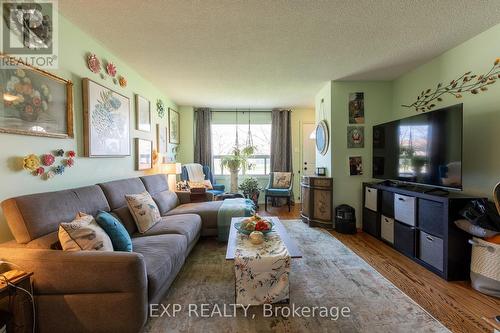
(281, 212)
(455, 304)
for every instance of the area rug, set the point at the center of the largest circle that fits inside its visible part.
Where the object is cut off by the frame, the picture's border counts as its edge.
(329, 279)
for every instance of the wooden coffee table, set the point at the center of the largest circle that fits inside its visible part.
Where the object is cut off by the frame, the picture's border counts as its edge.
(278, 227)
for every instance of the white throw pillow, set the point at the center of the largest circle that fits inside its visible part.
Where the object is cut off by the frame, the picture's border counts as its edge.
(144, 210)
(83, 233)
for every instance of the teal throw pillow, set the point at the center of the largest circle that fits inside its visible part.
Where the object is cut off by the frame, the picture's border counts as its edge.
(116, 231)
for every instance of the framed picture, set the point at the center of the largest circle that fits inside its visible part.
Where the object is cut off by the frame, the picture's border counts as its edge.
(35, 102)
(161, 139)
(357, 108)
(173, 126)
(144, 154)
(142, 113)
(355, 166)
(106, 121)
(355, 137)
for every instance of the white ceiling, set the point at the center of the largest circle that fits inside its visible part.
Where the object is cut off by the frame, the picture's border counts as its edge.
(275, 53)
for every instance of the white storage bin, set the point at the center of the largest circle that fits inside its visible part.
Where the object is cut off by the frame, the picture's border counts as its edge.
(405, 209)
(387, 229)
(371, 195)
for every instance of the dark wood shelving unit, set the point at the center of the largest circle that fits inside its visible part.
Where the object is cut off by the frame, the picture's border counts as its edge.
(420, 225)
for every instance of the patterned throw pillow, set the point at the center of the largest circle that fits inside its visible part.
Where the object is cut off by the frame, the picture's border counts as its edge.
(83, 233)
(144, 210)
(282, 179)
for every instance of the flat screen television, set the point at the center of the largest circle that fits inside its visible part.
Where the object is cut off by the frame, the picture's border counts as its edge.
(423, 149)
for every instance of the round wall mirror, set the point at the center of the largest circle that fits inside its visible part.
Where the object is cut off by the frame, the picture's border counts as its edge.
(322, 138)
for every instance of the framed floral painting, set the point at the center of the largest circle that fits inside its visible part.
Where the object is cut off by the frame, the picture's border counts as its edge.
(35, 102)
(144, 154)
(142, 113)
(173, 126)
(106, 121)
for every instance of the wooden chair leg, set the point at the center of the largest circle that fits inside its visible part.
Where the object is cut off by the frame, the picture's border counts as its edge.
(289, 203)
(265, 200)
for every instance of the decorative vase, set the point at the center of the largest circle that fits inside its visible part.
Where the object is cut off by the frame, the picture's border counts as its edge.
(234, 180)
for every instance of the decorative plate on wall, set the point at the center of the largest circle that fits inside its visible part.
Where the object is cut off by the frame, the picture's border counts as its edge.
(322, 137)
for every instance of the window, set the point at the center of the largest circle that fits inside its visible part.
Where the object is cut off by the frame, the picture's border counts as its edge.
(224, 136)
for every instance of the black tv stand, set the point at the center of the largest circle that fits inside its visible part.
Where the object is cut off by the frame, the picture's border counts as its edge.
(419, 223)
(437, 191)
(390, 183)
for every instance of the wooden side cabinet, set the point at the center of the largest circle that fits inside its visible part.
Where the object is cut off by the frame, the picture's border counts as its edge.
(317, 201)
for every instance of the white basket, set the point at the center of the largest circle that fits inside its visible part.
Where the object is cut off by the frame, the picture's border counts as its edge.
(485, 266)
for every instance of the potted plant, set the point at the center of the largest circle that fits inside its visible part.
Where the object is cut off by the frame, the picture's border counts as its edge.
(251, 189)
(237, 161)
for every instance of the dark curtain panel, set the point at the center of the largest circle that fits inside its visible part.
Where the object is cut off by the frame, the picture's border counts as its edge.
(203, 137)
(281, 141)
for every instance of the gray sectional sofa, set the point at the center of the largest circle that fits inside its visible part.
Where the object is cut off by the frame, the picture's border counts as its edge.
(93, 291)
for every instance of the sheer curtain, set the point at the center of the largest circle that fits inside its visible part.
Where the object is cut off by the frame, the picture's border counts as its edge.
(203, 137)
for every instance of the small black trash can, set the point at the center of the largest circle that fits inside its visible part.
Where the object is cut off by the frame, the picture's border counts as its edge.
(345, 219)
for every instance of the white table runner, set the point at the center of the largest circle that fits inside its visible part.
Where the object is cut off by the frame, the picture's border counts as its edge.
(262, 270)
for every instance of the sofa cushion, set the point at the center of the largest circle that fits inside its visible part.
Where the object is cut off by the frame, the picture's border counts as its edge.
(164, 255)
(166, 201)
(155, 183)
(83, 233)
(144, 210)
(157, 186)
(47, 242)
(115, 230)
(125, 217)
(207, 210)
(188, 225)
(116, 190)
(36, 215)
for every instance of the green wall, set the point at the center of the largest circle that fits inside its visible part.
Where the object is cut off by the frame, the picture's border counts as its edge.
(73, 47)
(378, 101)
(481, 155)
(186, 148)
(383, 100)
(324, 112)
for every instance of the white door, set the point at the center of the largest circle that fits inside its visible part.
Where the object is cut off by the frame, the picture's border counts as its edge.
(308, 167)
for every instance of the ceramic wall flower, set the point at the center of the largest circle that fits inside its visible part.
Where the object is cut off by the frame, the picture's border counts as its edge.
(123, 82)
(71, 154)
(39, 171)
(70, 162)
(48, 159)
(49, 175)
(59, 170)
(59, 152)
(31, 162)
(160, 108)
(111, 69)
(94, 63)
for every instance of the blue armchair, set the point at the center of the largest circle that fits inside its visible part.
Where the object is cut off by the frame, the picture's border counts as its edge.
(217, 188)
(280, 186)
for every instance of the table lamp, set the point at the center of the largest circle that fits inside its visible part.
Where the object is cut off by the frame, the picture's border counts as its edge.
(171, 170)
